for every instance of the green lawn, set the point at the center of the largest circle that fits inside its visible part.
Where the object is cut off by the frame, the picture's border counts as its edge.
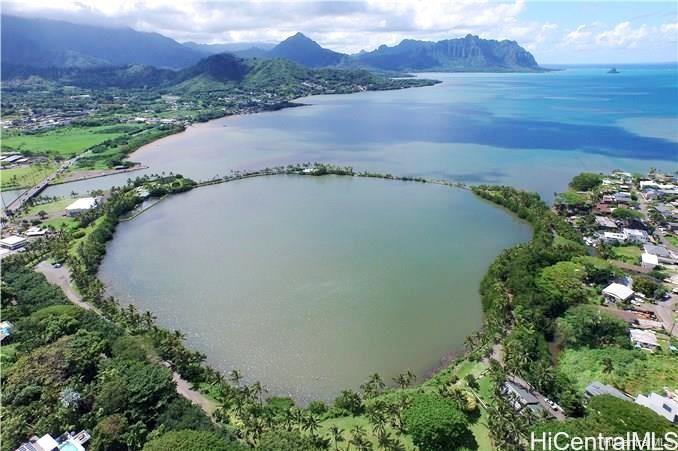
(628, 254)
(50, 207)
(673, 239)
(66, 142)
(25, 176)
(62, 222)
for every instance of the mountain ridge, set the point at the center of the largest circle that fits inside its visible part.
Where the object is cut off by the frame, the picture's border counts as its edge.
(49, 43)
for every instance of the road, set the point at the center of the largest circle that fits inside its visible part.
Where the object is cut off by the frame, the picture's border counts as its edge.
(17, 203)
(61, 277)
(498, 355)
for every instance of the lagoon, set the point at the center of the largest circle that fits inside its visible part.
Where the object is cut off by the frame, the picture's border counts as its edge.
(310, 284)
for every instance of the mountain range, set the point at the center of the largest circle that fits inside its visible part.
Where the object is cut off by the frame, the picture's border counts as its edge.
(51, 43)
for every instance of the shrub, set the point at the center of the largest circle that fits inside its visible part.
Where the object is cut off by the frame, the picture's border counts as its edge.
(435, 424)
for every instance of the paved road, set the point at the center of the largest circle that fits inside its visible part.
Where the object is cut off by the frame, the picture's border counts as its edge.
(62, 278)
(498, 355)
(37, 189)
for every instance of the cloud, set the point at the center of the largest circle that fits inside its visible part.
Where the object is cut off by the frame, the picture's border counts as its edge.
(346, 25)
(623, 35)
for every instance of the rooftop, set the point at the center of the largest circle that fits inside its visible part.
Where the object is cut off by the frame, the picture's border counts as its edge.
(618, 291)
(666, 407)
(12, 240)
(644, 336)
(86, 203)
(650, 259)
(596, 388)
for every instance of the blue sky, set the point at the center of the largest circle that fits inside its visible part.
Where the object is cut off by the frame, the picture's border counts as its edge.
(554, 31)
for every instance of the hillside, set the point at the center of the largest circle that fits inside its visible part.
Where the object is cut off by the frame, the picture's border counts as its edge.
(305, 51)
(218, 72)
(52, 43)
(468, 54)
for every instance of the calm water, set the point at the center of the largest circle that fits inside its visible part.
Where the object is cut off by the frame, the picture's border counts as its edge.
(311, 284)
(534, 131)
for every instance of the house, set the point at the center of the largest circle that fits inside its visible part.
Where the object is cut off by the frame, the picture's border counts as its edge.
(644, 339)
(613, 237)
(520, 397)
(81, 205)
(661, 252)
(608, 199)
(673, 226)
(35, 231)
(5, 330)
(648, 261)
(617, 292)
(596, 388)
(605, 223)
(635, 236)
(661, 405)
(602, 208)
(65, 442)
(13, 242)
(622, 197)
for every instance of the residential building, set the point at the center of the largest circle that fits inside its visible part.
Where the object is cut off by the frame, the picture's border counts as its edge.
(648, 261)
(13, 242)
(5, 330)
(520, 397)
(661, 405)
(622, 197)
(81, 205)
(617, 292)
(605, 222)
(644, 339)
(635, 236)
(596, 388)
(613, 237)
(35, 231)
(65, 442)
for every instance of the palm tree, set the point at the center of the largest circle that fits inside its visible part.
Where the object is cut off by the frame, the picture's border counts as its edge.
(337, 436)
(311, 424)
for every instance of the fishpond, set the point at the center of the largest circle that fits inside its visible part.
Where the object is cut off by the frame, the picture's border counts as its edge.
(310, 284)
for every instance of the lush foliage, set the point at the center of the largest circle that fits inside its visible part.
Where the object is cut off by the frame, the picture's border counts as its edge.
(589, 325)
(586, 181)
(436, 424)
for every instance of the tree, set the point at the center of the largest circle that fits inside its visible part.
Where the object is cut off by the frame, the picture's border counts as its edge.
(42, 214)
(435, 424)
(350, 401)
(337, 435)
(188, 440)
(586, 181)
(286, 441)
(588, 325)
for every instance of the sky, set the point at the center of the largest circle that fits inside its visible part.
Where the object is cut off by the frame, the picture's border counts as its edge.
(554, 31)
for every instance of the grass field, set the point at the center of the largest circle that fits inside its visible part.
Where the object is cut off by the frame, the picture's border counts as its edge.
(24, 176)
(634, 371)
(62, 222)
(673, 239)
(50, 207)
(628, 254)
(65, 142)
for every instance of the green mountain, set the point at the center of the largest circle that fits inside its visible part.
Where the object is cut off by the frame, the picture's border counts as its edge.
(219, 72)
(468, 54)
(47, 43)
(305, 51)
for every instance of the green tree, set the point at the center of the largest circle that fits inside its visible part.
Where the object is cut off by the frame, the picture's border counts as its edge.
(286, 441)
(188, 440)
(435, 424)
(586, 181)
(588, 325)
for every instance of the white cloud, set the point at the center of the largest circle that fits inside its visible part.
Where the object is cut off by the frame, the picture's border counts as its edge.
(623, 35)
